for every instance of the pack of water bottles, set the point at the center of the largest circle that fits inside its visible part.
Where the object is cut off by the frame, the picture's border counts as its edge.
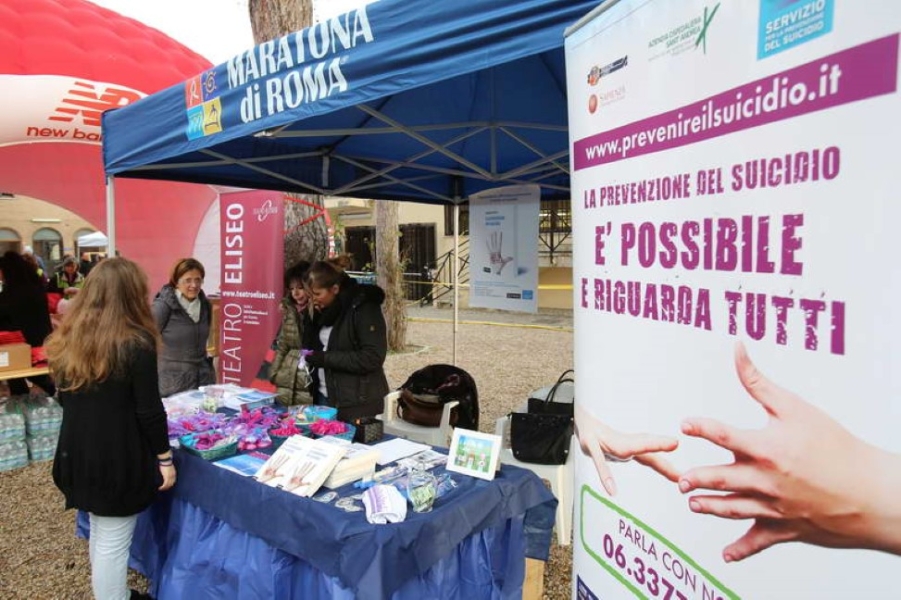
(43, 416)
(13, 455)
(41, 447)
(13, 451)
(29, 429)
(12, 421)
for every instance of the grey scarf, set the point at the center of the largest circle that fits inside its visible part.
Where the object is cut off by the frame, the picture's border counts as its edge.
(192, 307)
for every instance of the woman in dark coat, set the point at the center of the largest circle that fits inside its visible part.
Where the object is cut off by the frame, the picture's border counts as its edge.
(349, 338)
(113, 452)
(23, 307)
(183, 316)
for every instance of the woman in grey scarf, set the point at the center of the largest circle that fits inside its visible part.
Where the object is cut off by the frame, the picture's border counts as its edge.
(183, 315)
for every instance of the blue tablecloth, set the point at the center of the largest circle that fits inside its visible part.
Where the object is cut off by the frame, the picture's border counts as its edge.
(220, 535)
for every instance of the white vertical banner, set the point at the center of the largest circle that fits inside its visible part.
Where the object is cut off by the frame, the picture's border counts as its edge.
(735, 255)
(503, 248)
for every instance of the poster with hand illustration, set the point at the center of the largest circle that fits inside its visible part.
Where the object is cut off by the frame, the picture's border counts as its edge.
(734, 272)
(503, 242)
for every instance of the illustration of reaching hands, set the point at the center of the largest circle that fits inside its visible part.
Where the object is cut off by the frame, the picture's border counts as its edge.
(604, 444)
(297, 478)
(495, 243)
(803, 477)
(272, 468)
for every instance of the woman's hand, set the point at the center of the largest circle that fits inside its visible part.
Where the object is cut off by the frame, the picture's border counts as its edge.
(803, 477)
(169, 476)
(602, 443)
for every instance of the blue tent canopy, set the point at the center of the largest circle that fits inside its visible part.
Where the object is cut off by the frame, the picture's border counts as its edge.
(402, 100)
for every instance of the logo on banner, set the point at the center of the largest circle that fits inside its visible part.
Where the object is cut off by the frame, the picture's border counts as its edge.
(268, 208)
(596, 72)
(785, 24)
(79, 109)
(605, 97)
(688, 35)
(203, 105)
(595, 101)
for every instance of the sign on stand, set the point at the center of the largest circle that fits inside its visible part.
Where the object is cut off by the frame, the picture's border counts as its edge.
(252, 242)
(736, 289)
(503, 256)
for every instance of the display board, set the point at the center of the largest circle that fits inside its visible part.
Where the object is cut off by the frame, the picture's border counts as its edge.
(735, 248)
(252, 255)
(503, 238)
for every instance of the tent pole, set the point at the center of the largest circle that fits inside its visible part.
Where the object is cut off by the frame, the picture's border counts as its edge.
(110, 218)
(456, 278)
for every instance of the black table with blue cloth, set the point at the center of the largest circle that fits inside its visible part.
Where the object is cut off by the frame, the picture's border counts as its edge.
(220, 535)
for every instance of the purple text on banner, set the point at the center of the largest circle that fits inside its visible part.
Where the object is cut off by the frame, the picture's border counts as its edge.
(861, 72)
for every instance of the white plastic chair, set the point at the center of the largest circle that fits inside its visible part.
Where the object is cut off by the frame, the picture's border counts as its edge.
(560, 477)
(434, 436)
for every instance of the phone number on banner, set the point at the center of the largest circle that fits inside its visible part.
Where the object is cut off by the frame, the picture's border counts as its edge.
(640, 558)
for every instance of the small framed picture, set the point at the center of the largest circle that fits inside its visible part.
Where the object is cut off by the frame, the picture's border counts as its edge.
(474, 453)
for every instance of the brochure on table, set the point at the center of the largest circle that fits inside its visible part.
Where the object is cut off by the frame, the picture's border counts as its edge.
(301, 465)
(358, 462)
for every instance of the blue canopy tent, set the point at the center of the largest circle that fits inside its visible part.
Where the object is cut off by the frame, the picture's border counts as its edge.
(403, 100)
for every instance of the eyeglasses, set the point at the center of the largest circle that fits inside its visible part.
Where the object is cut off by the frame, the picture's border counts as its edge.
(190, 280)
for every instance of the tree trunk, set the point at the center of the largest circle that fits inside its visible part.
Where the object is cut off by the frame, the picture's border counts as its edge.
(306, 230)
(270, 19)
(306, 236)
(390, 272)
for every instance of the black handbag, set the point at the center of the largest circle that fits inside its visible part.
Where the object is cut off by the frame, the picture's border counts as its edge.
(543, 435)
(548, 405)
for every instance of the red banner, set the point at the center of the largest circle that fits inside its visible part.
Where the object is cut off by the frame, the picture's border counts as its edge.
(252, 250)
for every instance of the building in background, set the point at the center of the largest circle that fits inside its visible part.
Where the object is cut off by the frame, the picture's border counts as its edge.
(427, 242)
(52, 231)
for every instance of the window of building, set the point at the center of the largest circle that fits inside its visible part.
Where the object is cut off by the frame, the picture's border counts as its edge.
(9, 241)
(555, 231)
(48, 244)
(449, 219)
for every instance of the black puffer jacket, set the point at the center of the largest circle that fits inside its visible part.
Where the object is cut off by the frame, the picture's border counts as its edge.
(183, 363)
(357, 346)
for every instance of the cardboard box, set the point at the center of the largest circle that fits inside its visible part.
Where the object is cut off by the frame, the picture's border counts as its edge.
(14, 357)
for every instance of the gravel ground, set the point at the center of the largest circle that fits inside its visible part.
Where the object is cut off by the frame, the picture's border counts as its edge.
(40, 557)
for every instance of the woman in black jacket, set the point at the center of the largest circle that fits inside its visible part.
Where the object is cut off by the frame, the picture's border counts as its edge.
(113, 452)
(23, 307)
(349, 340)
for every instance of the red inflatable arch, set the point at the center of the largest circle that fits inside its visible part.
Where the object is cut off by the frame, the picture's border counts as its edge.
(63, 63)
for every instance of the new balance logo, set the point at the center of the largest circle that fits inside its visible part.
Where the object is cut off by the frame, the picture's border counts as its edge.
(87, 101)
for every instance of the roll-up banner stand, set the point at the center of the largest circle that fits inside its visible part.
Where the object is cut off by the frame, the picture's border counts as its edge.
(736, 283)
(252, 259)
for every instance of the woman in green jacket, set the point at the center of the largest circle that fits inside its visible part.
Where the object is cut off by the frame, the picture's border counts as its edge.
(290, 379)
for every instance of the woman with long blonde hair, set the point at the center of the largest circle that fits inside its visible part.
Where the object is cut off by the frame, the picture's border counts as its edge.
(113, 453)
